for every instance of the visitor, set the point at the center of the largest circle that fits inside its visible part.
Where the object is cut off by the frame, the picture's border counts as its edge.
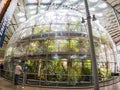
(1, 69)
(18, 70)
(55, 76)
(25, 67)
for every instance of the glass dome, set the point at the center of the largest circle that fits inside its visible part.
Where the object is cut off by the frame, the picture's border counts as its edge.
(55, 47)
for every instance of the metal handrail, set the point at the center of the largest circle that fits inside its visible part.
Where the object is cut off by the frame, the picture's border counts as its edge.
(107, 82)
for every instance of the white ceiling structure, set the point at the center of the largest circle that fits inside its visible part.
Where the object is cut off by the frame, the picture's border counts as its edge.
(106, 11)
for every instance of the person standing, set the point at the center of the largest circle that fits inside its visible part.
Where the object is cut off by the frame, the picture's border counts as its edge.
(1, 69)
(18, 70)
(25, 67)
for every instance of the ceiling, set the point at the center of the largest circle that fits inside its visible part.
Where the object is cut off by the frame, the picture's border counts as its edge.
(106, 11)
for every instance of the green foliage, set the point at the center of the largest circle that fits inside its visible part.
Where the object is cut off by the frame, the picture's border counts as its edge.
(74, 26)
(50, 45)
(109, 73)
(104, 38)
(71, 45)
(33, 47)
(103, 73)
(30, 66)
(88, 68)
(41, 29)
(66, 72)
(78, 26)
(36, 30)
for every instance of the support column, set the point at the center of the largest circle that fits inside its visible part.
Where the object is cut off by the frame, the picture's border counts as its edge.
(92, 50)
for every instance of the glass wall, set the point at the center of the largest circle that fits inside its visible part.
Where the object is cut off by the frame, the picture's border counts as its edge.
(56, 50)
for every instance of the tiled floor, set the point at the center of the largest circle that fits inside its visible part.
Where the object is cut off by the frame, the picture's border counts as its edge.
(5, 85)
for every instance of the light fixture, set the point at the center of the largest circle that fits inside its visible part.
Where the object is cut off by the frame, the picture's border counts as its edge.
(103, 5)
(99, 14)
(92, 9)
(41, 11)
(33, 12)
(56, 56)
(83, 11)
(73, 56)
(18, 4)
(20, 14)
(72, 1)
(83, 57)
(22, 19)
(65, 64)
(93, 1)
(67, 3)
(32, 1)
(82, 4)
(42, 6)
(83, 20)
(93, 18)
(45, 1)
(32, 7)
(33, 44)
(57, 1)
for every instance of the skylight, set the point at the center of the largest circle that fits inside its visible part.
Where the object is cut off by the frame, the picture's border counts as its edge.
(92, 9)
(20, 14)
(32, 1)
(32, 7)
(72, 1)
(22, 19)
(103, 5)
(57, 1)
(93, 1)
(99, 14)
(45, 1)
(33, 12)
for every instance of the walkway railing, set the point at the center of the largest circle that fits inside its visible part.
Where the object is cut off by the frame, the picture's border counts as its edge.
(24, 80)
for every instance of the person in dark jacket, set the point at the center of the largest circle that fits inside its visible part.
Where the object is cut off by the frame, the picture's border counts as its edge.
(1, 69)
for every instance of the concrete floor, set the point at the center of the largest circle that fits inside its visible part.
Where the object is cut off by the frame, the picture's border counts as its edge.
(5, 85)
